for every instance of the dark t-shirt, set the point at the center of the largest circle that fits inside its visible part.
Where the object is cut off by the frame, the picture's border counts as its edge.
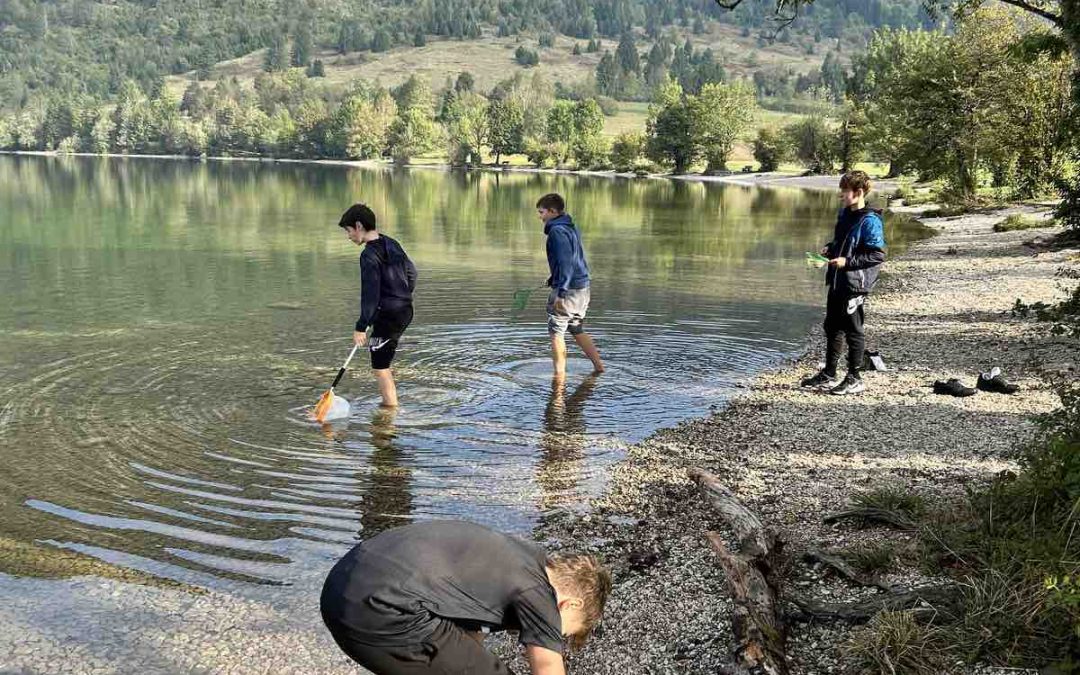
(391, 589)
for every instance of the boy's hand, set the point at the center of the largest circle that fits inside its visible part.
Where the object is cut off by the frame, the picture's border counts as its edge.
(560, 305)
(359, 337)
(838, 263)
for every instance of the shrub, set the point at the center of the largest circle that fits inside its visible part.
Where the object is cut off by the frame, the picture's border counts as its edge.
(1019, 221)
(891, 497)
(526, 57)
(546, 40)
(609, 105)
(593, 152)
(539, 153)
(895, 642)
(770, 149)
(626, 150)
(872, 558)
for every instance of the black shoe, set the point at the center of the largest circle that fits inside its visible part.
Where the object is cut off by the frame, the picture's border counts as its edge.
(850, 385)
(952, 387)
(994, 382)
(820, 381)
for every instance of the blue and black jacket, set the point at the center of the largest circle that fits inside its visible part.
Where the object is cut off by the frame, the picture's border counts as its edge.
(387, 280)
(860, 238)
(566, 257)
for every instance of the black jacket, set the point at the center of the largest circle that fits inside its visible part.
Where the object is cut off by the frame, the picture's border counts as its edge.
(387, 279)
(860, 237)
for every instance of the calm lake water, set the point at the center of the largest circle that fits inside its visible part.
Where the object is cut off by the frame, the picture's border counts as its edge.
(167, 325)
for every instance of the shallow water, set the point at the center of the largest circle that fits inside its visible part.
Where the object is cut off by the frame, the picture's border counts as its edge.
(168, 325)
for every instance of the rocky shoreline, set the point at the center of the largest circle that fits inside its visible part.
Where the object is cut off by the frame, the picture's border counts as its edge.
(942, 310)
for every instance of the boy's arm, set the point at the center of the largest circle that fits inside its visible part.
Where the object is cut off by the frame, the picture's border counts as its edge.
(369, 292)
(543, 661)
(410, 274)
(561, 250)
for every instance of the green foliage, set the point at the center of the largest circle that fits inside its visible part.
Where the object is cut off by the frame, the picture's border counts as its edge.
(872, 558)
(670, 130)
(813, 144)
(770, 148)
(891, 497)
(506, 127)
(953, 106)
(593, 152)
(721, 114)
(626, 150)
(526, 57)
(1019, 221)
(546, 40)
(411, 134)
(540, 152)
(467, 129)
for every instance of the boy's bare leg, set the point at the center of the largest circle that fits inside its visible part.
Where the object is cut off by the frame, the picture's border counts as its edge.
(387, 389)
(558, 355)
(589, 347)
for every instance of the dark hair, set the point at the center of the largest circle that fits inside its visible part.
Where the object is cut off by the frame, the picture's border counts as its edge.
(358, 213)
(553, 202)
(856, 180)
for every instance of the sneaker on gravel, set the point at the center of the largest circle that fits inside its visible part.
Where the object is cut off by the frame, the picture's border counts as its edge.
(820, 381)
(850, 385)
(953, 387)
(994, 382)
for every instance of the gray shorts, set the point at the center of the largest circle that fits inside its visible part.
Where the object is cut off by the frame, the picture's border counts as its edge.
(572, 315)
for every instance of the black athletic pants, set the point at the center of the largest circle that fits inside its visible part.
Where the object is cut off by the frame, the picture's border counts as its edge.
(844, 317)
(449, 650)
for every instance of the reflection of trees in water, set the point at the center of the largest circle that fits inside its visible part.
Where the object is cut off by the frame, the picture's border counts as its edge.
(562, 445)
(388, 485)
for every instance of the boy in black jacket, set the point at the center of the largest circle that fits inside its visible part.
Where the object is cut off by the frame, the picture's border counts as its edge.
(387, 281)
(855, 254)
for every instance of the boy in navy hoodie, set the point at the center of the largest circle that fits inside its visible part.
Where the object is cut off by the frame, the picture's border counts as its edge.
(569, 282)
(387, 281)
(855, 254)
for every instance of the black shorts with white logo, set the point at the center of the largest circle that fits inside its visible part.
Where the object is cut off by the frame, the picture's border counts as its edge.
(386, 330)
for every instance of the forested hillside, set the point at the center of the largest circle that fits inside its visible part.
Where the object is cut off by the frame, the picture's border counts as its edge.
(90, 47)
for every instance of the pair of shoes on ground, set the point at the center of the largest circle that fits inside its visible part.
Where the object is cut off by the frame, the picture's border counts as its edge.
(851, 384)
(991, 381)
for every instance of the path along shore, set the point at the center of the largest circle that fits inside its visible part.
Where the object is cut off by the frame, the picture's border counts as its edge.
(942, 310)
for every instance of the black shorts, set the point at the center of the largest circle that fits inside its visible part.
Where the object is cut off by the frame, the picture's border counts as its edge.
(386, 330)
(448, 650)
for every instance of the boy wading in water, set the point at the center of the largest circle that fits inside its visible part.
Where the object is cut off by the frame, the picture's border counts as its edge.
(569, 282)
(419, 598)
(855, 254)
(387, 281)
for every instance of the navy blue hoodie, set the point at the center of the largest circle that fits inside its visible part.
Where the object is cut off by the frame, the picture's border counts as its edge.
(387, 279)
(566, 257)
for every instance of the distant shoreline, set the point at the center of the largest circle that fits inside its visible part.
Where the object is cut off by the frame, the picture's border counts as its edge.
(827, 182)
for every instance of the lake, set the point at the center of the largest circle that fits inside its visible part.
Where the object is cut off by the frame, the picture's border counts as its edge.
(167, 326)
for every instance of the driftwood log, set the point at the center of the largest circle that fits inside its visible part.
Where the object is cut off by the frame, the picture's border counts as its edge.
(925, 603)
(897, 520)
(837, 564)
(757, 621)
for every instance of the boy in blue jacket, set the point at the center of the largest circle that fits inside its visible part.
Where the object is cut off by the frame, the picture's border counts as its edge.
(569, 282)
(855, 254)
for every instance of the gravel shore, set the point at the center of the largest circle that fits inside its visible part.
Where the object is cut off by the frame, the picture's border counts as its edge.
(941, 311)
